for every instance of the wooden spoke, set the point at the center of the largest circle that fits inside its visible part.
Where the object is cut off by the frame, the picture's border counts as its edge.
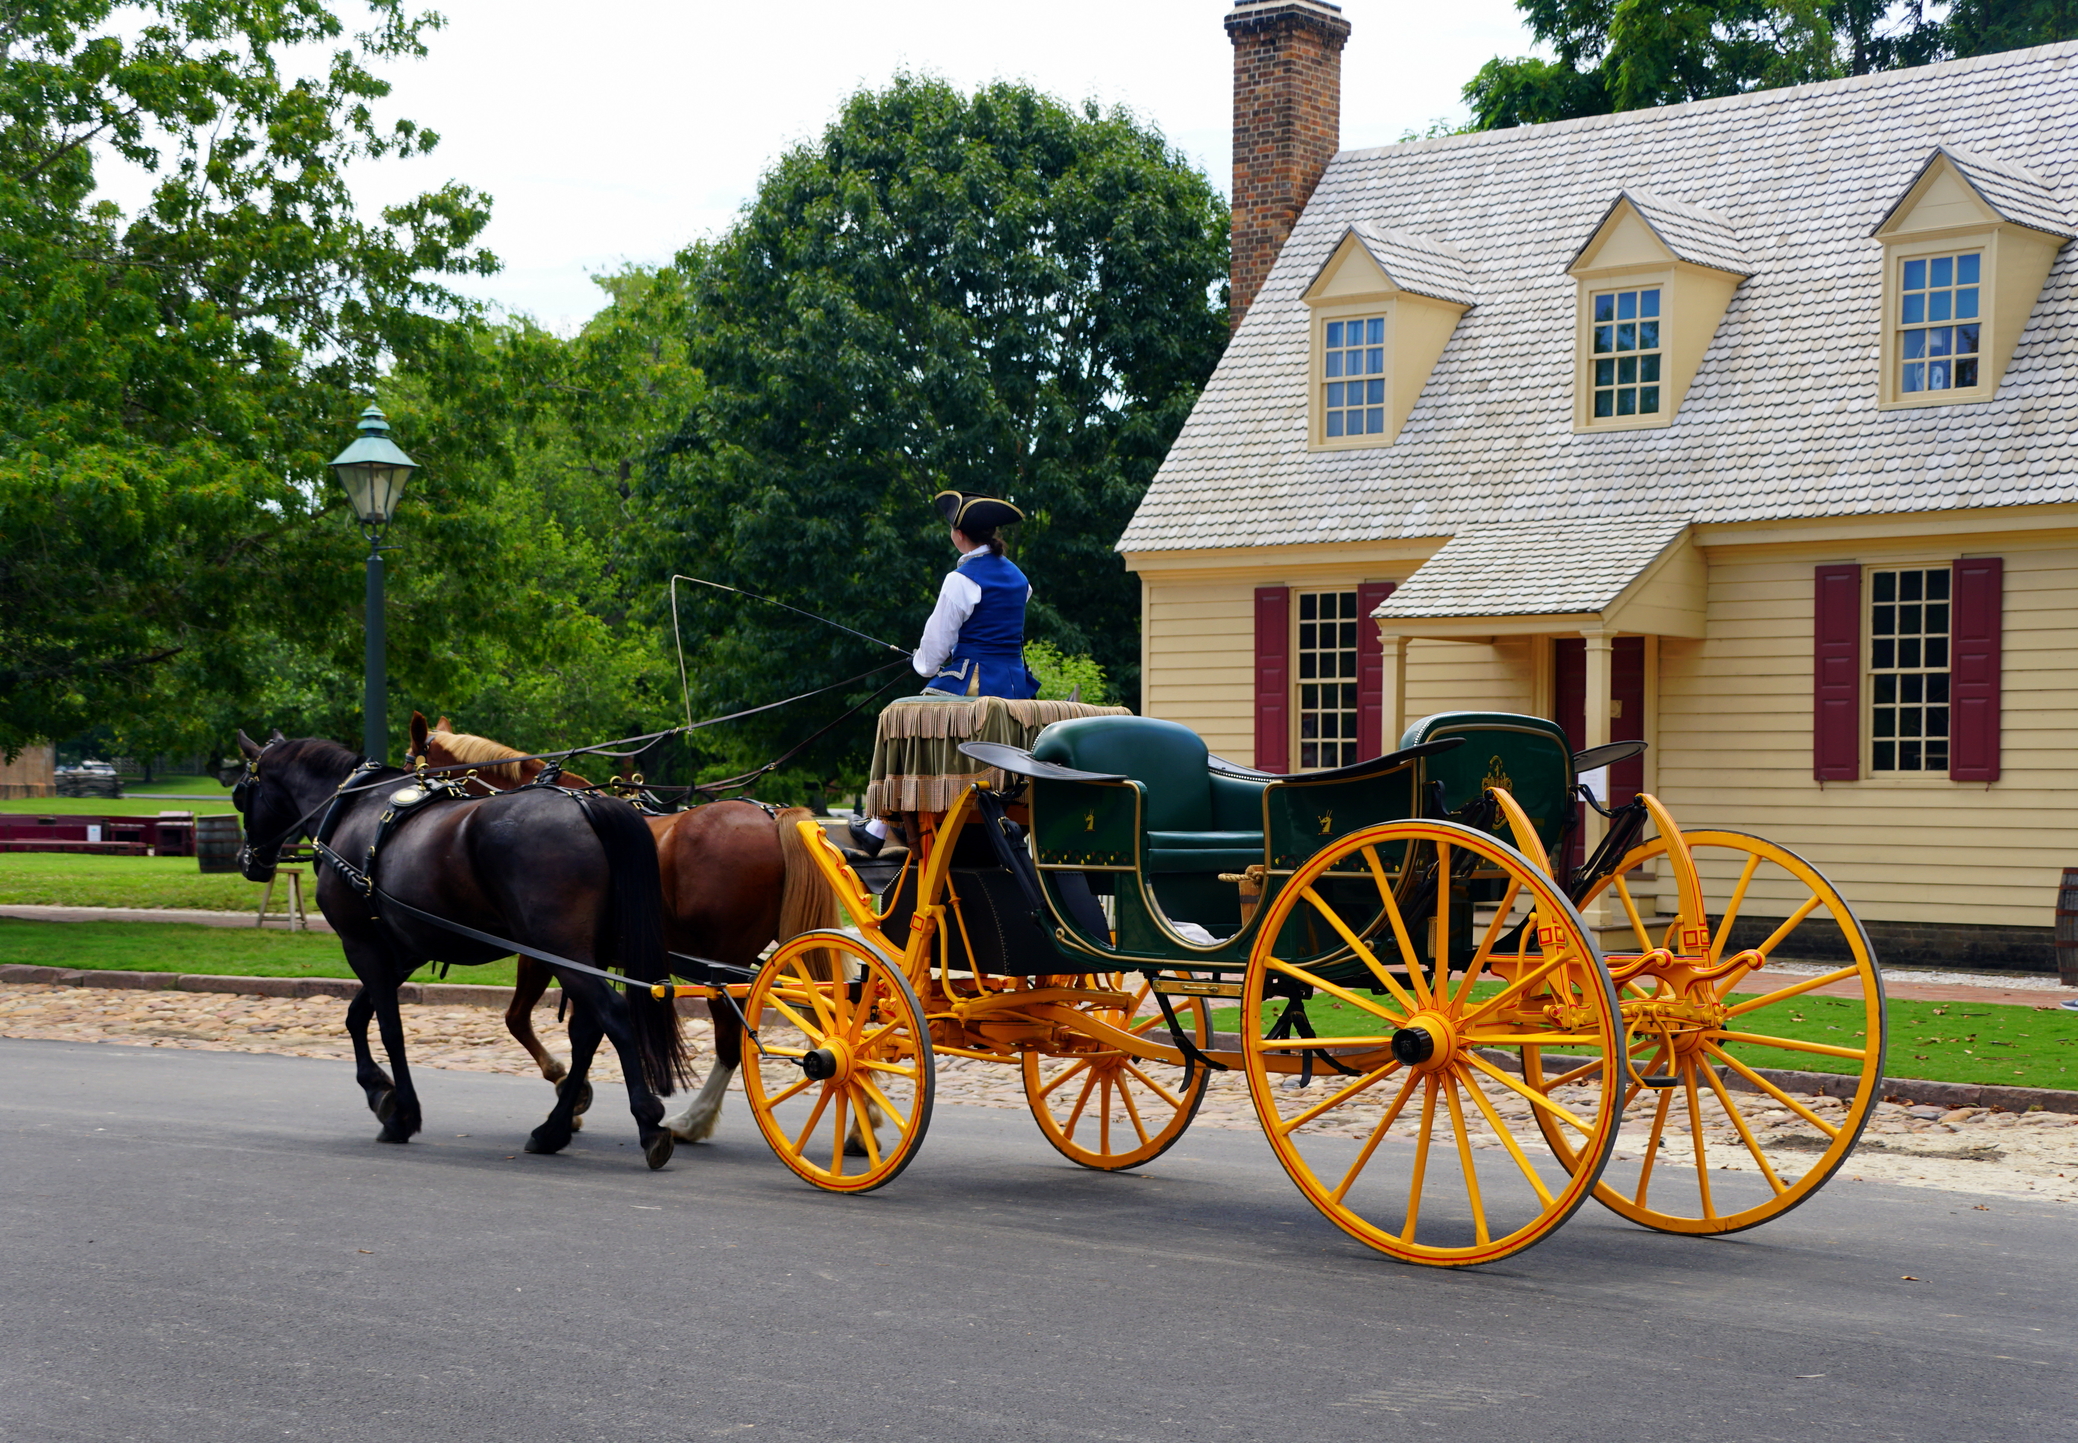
(1731, 908)
(1771, 1089)
(1796, 918)
(1421, 1157)
(1630, 910)
(1377, 1136)
(1531, 1095)
(822, 1103)
(1483, 953)
(1067, 1075)
(1783, 994)
(1507, 1136)
(1530, 1039)
(1695, 1130)
(1408, 952)
(1336, 1099)
(1724, 1100)
(1356, 945)
(803, 1085)
(866, 1134)
(1139, 1107)
(1791, 1044)
(1358, 999)
(1448, 1085)
(1652, 1144)
(837, 1130)
(899, 1117)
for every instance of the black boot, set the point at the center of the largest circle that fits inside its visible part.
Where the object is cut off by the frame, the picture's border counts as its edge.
(864, 840)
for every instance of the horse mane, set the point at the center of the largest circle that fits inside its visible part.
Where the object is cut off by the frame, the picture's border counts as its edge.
(484, 754)
(320, 754)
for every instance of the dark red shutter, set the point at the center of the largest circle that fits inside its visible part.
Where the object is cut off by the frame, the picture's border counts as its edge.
(1273, 678)
(1973, 716)
(1371, 740)
(1836, 707)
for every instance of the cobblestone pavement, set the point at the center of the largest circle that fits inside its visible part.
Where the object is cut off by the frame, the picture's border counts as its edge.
(1962, 1150)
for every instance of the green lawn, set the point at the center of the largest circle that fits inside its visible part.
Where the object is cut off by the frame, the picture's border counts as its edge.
(179, 947)
(65, 879)
(1970, 1042)
(202, 805)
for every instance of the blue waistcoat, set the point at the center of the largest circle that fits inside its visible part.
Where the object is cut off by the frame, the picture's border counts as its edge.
(993, 638)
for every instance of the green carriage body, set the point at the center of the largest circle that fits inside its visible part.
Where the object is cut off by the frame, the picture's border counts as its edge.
(1159, 822)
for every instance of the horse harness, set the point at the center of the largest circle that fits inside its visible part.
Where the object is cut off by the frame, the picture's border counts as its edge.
(421, 791)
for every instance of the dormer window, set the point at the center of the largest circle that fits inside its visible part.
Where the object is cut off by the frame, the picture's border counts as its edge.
(1966, 250)
(1353, 367)
(1655, 277)
(1941, 356)
(1627, 352)
(1384, 306)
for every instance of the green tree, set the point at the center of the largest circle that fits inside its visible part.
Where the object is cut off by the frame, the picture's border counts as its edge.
(1610, 55)
(173, 379)
(510, 605)
(990, 293)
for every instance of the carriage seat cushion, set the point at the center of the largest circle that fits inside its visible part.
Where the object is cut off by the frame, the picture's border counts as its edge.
(1188, 830)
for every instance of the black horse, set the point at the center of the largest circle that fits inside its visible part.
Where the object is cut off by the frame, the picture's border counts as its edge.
(569, 876)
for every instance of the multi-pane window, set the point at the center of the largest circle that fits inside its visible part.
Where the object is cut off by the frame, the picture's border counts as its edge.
(1937, 306)
(1353, 367)
(1908, 662)
(1327, 679)
(1627, 353)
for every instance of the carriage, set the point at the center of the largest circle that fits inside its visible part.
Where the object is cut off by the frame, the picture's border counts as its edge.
(1455, 1021)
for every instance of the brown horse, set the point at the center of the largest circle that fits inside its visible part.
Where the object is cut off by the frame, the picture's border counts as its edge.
(736, 878)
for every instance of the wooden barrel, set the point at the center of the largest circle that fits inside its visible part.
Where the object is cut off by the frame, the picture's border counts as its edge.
(216, 843)
(2067, 929)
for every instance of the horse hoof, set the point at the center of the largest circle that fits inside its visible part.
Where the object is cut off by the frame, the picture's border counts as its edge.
(384, 1105)
(539, 1143)
(584, 1097)
(577, 1124)
(658, 1152)
(393, 1134)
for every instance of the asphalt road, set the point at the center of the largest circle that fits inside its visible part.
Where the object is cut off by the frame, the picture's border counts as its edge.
(211, 1246)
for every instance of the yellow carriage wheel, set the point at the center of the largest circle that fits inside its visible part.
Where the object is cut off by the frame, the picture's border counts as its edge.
(1687, 1149)
(1409, 1131)
(841, 1076)
(1105, 1109)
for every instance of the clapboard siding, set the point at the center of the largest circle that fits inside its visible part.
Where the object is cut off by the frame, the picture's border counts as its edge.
(1200, 666)
(1735, 743)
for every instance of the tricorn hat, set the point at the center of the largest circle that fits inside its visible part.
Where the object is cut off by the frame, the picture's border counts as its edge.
(972, 513)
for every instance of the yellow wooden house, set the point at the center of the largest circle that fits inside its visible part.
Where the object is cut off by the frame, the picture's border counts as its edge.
(1748, 428)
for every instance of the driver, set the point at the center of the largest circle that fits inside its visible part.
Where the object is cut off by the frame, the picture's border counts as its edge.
(974, 643)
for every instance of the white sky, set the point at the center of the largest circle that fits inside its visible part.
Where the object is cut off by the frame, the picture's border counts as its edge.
(621, 129)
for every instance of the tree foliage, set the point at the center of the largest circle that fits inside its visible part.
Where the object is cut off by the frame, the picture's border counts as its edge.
(989, 293)
(1610, 55)
(173, 379)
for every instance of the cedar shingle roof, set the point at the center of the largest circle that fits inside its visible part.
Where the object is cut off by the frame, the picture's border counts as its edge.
(1533, 568)
(2014, 191)
(1700, 236)
(1411, 262)
(1781, 420)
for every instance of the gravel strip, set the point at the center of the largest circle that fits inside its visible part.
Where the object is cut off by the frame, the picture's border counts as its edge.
(1961, 1150)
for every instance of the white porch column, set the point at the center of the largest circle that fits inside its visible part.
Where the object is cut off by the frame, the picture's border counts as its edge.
(1599, 679)
(1393, 689)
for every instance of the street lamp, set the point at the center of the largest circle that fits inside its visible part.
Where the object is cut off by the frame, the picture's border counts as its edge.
(374, 471)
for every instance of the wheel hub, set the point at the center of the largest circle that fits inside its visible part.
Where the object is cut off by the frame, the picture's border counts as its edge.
(1427, 1042)
(830, 1062)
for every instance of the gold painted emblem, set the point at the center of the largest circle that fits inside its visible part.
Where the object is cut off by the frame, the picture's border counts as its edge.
(1497, 776)
(1326, 820)
(1089, 821)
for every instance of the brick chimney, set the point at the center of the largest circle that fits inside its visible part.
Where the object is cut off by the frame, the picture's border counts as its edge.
(1287, 125)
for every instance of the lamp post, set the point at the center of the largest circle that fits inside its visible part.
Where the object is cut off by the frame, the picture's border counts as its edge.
(374, 471)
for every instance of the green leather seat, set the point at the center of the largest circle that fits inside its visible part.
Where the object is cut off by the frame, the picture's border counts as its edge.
(1193, 820)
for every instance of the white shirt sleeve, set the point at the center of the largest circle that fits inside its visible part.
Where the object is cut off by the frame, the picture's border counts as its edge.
(957, 599)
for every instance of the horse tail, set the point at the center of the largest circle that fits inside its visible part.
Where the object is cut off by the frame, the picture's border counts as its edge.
(806, 903)
(635, 939)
